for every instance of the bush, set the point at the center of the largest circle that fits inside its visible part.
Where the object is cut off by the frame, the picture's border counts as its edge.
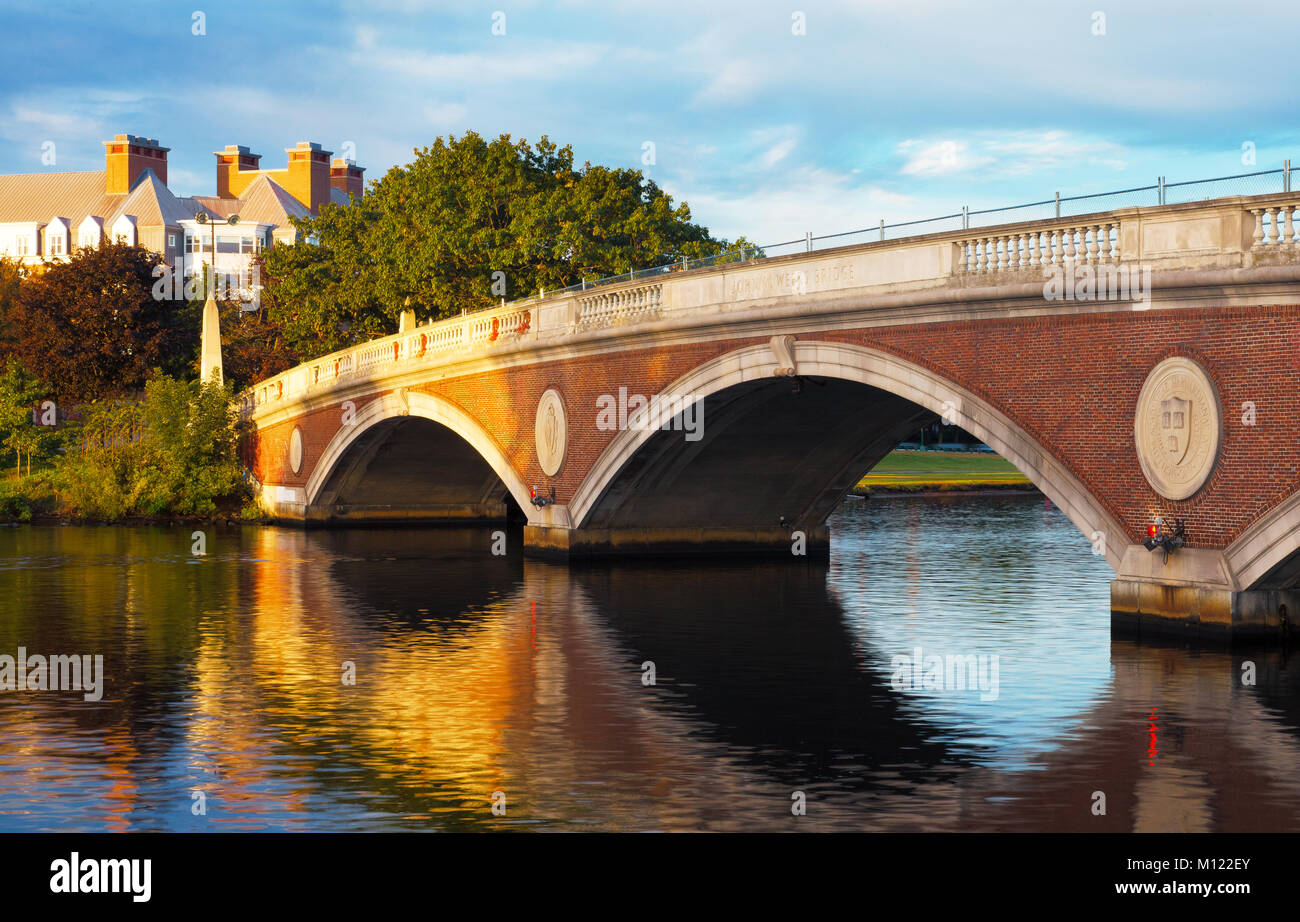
(174, 452)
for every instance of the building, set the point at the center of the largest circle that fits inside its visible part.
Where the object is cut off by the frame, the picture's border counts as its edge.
(45, 216)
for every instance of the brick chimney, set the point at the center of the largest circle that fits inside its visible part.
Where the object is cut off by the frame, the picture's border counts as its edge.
(346, 176)
(127, 156)
(308, 175)
(231, 162)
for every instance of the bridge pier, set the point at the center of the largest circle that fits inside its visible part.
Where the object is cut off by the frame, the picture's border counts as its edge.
(559, 543)
(1192, 596)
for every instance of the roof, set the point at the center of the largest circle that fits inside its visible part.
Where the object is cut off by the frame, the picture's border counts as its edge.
(40, 197)
(152, 203)
(37, 197)
(267, 202)
(264, 202)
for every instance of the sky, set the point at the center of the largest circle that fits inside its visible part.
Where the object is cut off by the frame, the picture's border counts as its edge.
(770, 119)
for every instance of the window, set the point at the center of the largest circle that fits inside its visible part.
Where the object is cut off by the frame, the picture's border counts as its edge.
(56, 245)
(248, 244)
(171, 241)
(24, 245)
(227, 244)
(196, 244)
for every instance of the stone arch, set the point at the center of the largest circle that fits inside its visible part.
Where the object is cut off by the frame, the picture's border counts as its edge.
(403, 403)
(893, 375)
(1267, 554)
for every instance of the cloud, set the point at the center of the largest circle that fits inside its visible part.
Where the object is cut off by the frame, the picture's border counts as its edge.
(777, 152)
(738, 81)
(938, 157)
(544, 61)
(822, 200)
(1008, 154)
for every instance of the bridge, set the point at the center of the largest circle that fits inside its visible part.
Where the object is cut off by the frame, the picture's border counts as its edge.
(1135, 364)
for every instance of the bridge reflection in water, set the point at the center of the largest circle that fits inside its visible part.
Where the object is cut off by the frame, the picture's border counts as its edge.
(477, 673)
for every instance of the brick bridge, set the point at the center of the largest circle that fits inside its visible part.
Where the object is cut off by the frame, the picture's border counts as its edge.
(1133, 364)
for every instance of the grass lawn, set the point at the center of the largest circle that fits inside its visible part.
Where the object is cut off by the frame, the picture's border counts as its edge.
(941, 470)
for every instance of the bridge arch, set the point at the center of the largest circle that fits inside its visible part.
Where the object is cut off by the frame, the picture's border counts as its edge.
(913, 383)
(389, 410)
(1267, 554)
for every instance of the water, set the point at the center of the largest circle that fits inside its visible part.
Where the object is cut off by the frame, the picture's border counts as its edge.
(477, 674)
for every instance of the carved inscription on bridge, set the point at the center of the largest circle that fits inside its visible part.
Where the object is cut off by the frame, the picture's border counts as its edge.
(862, 270)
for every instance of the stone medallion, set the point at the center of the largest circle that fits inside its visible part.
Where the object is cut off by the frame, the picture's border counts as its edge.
(551, 432)
(295, 450)
(1177, 428)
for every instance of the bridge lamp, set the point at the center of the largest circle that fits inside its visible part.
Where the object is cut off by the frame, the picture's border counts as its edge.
(540, 501)
(1159, 535)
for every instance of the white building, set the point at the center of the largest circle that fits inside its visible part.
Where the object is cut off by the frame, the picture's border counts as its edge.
(44, 217)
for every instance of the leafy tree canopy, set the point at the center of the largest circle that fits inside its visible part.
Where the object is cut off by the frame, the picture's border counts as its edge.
(431, 236)
(94, 326)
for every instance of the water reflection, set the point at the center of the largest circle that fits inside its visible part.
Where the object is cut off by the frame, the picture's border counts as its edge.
(476, 673)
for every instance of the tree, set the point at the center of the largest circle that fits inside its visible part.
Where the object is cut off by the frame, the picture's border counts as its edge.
(174, 452)
(94, 326)
(20, 394)
(467, 223)
(12, 274)
(253, 345)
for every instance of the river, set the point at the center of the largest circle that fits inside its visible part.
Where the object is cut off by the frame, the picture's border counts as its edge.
(412, 680)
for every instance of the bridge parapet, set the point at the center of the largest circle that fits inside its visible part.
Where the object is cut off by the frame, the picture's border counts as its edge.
(1230, 233)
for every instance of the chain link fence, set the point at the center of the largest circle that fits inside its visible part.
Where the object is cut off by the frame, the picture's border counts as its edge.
(1262, 182)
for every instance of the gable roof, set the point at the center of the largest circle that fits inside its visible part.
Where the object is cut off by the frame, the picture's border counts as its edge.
(40, 196)
(152, 203)
(267, 202)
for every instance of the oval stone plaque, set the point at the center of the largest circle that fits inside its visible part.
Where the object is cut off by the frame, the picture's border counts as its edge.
(1177, 428)
(295, 450)
(551, 432)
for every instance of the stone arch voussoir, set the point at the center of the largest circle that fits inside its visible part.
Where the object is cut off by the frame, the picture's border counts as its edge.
(888, 373)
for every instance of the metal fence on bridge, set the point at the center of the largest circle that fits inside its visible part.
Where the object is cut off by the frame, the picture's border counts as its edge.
(1261, 182)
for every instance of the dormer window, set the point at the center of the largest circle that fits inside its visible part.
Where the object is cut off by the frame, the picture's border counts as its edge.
(90, 232)
(56, 236)
(124, 230)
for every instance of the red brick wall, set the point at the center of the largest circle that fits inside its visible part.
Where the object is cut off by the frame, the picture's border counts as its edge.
(1071, 382)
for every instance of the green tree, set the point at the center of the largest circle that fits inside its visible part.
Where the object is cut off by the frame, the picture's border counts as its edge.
(95, 325)
(174, 452)
(468, 222)
(20, 394)
(191, 447)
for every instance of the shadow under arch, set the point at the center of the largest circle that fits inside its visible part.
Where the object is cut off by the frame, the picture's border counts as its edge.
(857, 404)
(370, 468)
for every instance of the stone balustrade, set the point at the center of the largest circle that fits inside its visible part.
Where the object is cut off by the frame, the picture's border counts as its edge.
(1049, 246)
(1230, 233)
(1275, 225)
(620, 305)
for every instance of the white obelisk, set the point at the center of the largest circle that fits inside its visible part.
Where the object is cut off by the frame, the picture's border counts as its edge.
(210, 349)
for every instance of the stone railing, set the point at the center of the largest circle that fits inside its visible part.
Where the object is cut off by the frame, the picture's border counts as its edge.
(1229, 233)
(620, 305)
(1047, 246)
(1274, 225)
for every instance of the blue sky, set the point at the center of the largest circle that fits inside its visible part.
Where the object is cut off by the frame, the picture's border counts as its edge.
(893, 110)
